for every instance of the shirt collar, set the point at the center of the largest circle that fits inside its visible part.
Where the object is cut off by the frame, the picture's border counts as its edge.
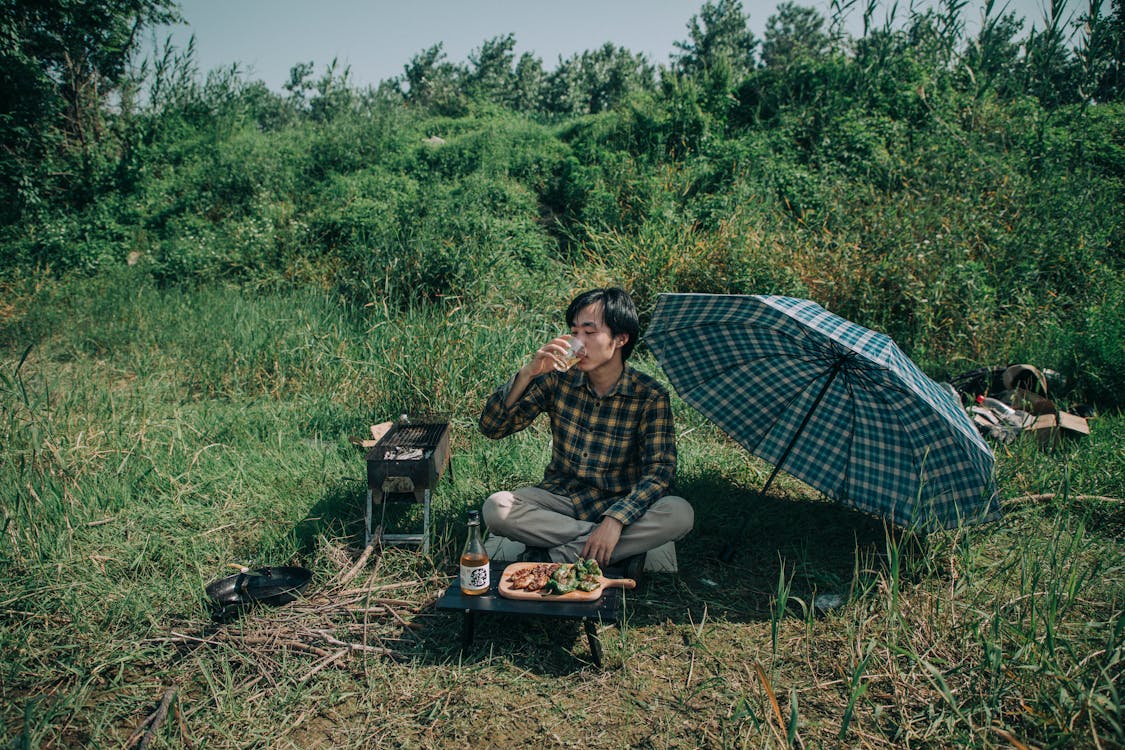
(626, 385)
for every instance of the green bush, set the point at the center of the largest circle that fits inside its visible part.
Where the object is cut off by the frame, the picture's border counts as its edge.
(397, 240)
(1087, 344)
(965, 217)
(669, 256)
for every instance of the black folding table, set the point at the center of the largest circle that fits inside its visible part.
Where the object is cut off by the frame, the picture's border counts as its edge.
(602, 611)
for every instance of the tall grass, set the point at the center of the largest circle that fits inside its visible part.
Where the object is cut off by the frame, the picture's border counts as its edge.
(153, 436)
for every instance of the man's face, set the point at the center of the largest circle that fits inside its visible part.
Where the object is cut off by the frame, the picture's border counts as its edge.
(602, 347)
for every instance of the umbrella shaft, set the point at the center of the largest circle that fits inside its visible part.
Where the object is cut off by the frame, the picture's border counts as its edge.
(793, 440)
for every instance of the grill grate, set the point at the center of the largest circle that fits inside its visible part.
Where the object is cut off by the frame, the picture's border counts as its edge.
(414, 436)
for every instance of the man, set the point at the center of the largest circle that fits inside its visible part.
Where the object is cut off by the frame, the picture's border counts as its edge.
(613, 450)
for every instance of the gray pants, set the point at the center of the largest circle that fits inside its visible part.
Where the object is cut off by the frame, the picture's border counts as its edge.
(539, 518)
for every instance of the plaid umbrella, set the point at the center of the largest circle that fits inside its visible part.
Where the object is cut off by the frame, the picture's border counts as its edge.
(837, 405)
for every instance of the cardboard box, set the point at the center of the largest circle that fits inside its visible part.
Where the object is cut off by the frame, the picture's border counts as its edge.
(1051, 429)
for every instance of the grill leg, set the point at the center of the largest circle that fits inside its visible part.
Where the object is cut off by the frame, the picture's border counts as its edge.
(367, 520)
(426, 523)
(374, 497)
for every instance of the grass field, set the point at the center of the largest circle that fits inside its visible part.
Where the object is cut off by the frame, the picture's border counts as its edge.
(150, 437)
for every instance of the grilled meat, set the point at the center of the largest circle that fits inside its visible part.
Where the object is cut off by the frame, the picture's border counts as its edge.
(533, 578)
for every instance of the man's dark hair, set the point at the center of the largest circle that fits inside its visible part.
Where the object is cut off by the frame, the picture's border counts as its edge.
(618, 312)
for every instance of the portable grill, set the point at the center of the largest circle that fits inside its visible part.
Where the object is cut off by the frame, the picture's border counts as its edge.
(406, 463)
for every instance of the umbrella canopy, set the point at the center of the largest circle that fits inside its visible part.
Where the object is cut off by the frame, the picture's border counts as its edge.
(837, 405)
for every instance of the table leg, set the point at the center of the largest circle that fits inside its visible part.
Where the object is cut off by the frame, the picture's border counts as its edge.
(591, 628)
(468, 627)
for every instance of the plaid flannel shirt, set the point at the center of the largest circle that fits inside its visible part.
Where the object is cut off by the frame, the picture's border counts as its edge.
(612, 455)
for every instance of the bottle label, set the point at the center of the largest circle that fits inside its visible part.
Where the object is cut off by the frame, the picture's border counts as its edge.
(474, 578)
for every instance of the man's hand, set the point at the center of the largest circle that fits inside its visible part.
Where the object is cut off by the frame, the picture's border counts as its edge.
(549, 355)
(541, 363)
(603, 540)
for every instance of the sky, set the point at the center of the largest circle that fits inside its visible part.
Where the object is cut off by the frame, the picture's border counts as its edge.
(377, 38)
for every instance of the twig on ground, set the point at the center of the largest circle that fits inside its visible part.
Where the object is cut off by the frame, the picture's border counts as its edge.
(324, 663)
(184, 638)
(383, 587)
(402, 621)
(1047, 496)
(148, 728)
(358, 565)
(329, 625)
(359, 603)
(333, 641)
(1007, 737)
(403, 603)
(365, 611)
(284, 642)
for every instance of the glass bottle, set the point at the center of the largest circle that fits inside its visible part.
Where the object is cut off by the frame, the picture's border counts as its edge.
(474, 560)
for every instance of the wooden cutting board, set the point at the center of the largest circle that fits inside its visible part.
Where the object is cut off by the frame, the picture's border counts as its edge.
(507, 591)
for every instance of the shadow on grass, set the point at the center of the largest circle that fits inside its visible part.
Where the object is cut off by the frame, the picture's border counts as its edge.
(547, 646)
(338, 514)
(818, 544)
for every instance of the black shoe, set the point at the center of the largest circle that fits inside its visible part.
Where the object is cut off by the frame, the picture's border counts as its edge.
(635, 567)
(535, 554)
(631, 567)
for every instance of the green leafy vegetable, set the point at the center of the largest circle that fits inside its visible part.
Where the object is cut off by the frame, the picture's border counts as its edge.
(581, 575)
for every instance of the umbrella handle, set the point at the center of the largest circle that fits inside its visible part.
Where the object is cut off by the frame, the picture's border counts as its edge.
(728, 550)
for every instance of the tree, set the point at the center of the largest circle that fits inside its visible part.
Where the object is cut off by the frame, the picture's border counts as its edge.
(60, 61)
(74, 52)
(597, 81)
(719, 36)
(792, 33)
(491, 77)
(299, 84)
(334, 94)
(1052, 73)
(431, 81)
(526, 94)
